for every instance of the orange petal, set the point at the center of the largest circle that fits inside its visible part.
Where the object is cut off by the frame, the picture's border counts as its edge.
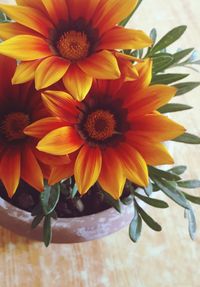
(42, 127)
(7, 69)
(102, 65)
(57, 10)
(51, 160)
(50, 71)
(87, 168)
(61, 141)
(31, 3)
(59, 173)
(30, 169)
(25, 48)
(145, 74)
(29, 17)
(134, 165)
(61, 104)
(150, 99)
(157, 128)
(77, 82)
(153, 153)
(110, 13)
(121, 38)
(112, 178)
(78, 8)
(25, 72)
(8, 30)
(10, 169)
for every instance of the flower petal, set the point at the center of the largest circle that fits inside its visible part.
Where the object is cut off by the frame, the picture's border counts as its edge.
(57, 10)
(51, 160)
(50, 71)
(77, 82)
(31, 3)
(25, 48)
(7, 69)
(44, 126)
(112, 178)
(8, 30)
(10, 169)
(78, 8)
(61, 105)
(110, 13)
(59, 173)
(157, 128)
(25, 72)
(121, 38)
(134, 165)
(30, 169)
(61, 141)
(87, 168)
(29, 17)
(102, 65)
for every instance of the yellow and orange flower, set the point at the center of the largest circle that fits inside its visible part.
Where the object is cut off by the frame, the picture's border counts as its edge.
(20, 105)
(69, 40)
(112, 135)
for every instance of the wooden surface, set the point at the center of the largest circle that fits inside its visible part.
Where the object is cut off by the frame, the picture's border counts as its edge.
(163, 259)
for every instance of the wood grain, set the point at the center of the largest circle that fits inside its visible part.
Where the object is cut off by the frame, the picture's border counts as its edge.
(164, 259)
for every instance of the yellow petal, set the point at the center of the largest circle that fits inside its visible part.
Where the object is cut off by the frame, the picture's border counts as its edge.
(8, 30)
(57, 10)
(25, 72)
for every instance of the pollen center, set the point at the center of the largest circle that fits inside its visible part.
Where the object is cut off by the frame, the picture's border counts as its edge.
(13, 125)
(100, 125)
(73, 45)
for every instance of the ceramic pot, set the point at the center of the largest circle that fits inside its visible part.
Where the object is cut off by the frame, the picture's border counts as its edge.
(66, 230)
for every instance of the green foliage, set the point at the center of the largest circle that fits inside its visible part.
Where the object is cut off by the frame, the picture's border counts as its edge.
(135, 227)
(167, 79)
(49, 198)
(171, 108)
(188, 139)
(183, 88)
(179, 170)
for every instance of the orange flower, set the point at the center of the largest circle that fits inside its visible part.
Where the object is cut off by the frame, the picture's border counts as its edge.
(68, 40)
(20, 106)
(110, 136)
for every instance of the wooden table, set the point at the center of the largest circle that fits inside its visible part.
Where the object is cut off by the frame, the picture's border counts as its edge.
(163, 259)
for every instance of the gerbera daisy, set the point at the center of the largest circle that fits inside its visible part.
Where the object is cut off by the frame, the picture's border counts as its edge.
(69, 40)
(20, 105)
(112, 135)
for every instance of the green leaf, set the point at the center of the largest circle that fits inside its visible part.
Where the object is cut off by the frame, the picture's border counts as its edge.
(193, 199)
(160, 63)
(49, 198)
(192, 226)
(74, 191)
(112, 202)
(169, 39)
(170, 190)
(47, 231)
(125, 21)
(149, 220)
(183, 88)
(180, 169)
(188, 139)
(171, 108)
(181, 54)
(36, 221)
(153, 35)
(189, 183)
(151, 201)
(135, 228)
(149, 189)
(163, 174)
(167, 78)
(127, 200)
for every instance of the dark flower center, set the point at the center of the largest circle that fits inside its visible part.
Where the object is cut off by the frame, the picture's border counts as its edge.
(13, 125)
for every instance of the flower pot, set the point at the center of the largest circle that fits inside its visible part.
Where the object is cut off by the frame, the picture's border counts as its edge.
(66, 230)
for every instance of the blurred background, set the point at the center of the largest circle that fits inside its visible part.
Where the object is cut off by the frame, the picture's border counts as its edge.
(158, 259)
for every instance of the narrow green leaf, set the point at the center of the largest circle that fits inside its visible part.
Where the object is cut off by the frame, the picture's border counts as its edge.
(168, 39)
(181, 55)
(127, 200)
(170, 190)
(74, 191)
(149, 189)
(125, 21)
(36, 221)
(151, 201)
(160, 63)
(184, 88)
(149, 220)
(135, 228)
(193, 199)
(192, 226)
(163, 174)
(153, 35)
(171, 108)
(112, 202)
(167, 78)
(47, 231)
(180, 169)
(49, 198)
(188, 139)
(189, 183)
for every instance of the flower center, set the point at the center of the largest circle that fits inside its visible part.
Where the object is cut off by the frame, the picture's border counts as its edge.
(73, 45)
(100, 125)
(13, 125)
